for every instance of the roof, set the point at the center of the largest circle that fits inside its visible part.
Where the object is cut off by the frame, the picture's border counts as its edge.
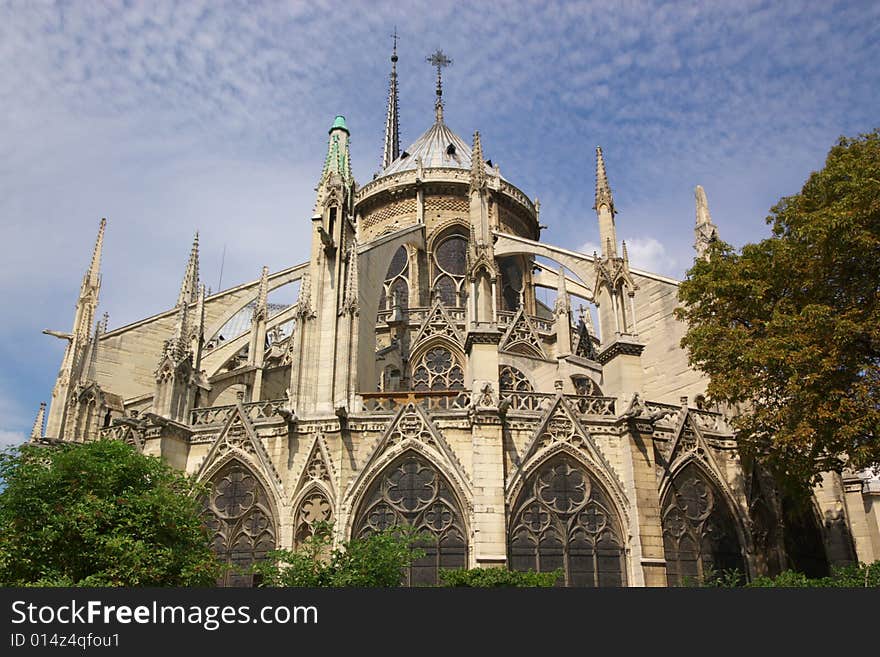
(438, 147)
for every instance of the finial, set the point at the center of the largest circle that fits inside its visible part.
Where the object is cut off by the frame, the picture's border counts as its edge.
(391, 149)
(439, 60)
(37, 431)
(603, 190)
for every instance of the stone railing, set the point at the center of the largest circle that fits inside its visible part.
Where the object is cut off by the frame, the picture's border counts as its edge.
(439, 400)
(663, 413)
(113, 432)
(261, 410)
(505, 317)
(709, 421)
(593, 405)
(528, 401)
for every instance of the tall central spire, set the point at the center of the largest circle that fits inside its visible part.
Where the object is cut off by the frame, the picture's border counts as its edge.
(439, 60)
(391, 150)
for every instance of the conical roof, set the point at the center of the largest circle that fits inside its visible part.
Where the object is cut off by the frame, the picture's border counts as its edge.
(437, 147)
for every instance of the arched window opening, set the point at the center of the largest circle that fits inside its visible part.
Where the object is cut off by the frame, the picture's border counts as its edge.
(511, 282)
(586, 387)
(396, 281)
(449, 264)
(511, 379)
(237, 512)
(411, 491)
(437, 369)
(699, 532)
(313, 511)
(563, 518)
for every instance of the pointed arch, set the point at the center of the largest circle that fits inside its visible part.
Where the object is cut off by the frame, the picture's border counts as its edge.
(412, 490)
(702, 531)
(313, 505)
(240, 512)
(564, 516)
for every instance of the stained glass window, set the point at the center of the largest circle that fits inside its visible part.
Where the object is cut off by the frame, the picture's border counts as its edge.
(699, 534)
(237, 511)
(412, 492)
(438, 369)
(450, 263)
(563, 519)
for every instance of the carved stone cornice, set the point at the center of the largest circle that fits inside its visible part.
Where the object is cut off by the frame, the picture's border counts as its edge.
(481, 336)
(620, 348)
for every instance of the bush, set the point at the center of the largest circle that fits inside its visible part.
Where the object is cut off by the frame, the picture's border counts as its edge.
(495, 577)
(377, 560)
(851, 576)
(99, 514)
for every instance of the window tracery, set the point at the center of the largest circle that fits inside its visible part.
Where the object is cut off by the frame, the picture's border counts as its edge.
(511, 379)
(438, 369)
(411, 491)
(449, 265)
(699, 534)
(237, 512)
(563, 519)
(396, 281)
(313, 509)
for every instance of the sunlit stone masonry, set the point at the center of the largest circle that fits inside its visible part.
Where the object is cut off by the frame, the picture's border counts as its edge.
(418, 378)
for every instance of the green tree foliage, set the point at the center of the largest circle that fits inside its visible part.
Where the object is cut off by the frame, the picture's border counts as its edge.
(498, 577)
(851, 576)
(377, 560)
(99, 514)
(788, 330)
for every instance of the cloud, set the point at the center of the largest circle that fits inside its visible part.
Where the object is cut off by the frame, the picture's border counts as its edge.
(168, 117)
(645, 253)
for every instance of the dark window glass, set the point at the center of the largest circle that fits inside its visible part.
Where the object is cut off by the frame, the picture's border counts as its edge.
(412, 492)
(699, 534)
(563, 519)
(237, 512)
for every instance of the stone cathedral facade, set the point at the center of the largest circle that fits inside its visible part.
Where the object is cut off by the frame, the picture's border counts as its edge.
(419, 379)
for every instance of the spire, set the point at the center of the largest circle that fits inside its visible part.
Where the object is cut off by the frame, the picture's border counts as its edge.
(189, 287)
(260, 310)
(478, 166)
(338, 160)
(439, 60)
(603, 190)
(94, 273)
(37, 431)
(391, 149)
(703, 216)
(705, 232)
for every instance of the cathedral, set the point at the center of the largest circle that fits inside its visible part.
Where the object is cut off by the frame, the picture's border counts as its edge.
(419, 379)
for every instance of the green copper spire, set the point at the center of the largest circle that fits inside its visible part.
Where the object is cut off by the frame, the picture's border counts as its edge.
(339, 123)
(338, 159)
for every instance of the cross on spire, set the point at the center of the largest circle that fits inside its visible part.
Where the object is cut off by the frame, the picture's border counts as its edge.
(440, 61)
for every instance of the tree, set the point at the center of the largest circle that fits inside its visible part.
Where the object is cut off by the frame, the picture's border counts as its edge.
(788, 329)
(99, 514)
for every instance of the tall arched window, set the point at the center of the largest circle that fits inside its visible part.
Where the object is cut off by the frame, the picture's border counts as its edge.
(699, 533)
(511, 282)
(411, 491)
(563, 519)
(237, 511)
(437, 369)
(396, 281)
(449, 264)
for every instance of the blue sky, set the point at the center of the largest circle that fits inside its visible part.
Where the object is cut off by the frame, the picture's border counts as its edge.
(172, 117)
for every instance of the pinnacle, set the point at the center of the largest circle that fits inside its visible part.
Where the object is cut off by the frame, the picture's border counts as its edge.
(603, 190)
(189, 287)
(93, 273)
